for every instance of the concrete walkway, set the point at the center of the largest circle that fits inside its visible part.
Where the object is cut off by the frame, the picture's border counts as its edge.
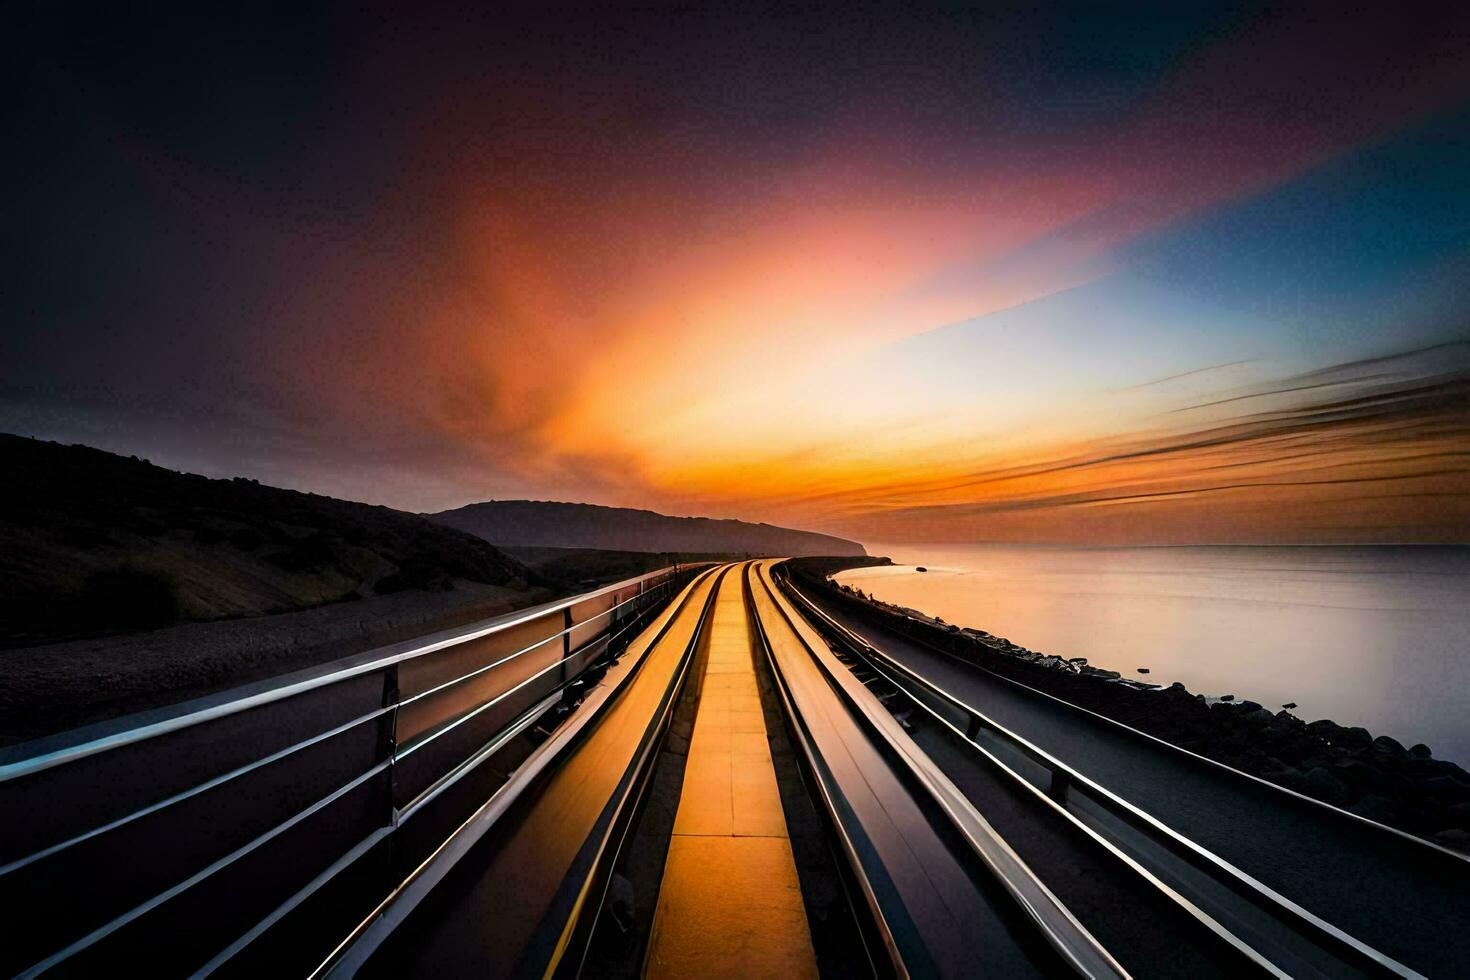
(730, 904)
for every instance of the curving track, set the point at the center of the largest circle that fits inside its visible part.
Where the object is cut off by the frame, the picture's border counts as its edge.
(1313, 890)
(964, 848)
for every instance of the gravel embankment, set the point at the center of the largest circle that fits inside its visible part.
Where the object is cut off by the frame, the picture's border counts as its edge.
(59, 686)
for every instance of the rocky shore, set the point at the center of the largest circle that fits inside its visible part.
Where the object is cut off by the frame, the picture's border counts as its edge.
(1374, 777)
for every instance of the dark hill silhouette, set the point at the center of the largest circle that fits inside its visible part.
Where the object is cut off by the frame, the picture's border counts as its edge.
(549, 524)
(92, 542)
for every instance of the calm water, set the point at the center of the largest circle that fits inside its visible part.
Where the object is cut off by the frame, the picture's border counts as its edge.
(1378, 637)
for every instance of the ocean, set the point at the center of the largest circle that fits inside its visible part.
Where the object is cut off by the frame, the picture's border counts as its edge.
(1370, 636)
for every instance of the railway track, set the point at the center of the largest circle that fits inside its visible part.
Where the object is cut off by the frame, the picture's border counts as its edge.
(514, 765)
(939, 893)
(944, 893)
(517, 888)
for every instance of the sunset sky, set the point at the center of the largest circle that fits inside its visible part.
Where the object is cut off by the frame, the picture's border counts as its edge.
(1182, 275)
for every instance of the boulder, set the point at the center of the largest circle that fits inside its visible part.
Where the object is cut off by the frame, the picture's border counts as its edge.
(1177, 694)
(1419, 750)
(1285, 721)
(1360, 776)
(1325, 786)
(1293, 779)
(1282, 726)
(1247, 707)
(1375, 808)
(1358, 738)
(1424, 768)
(1389, 747)
(1260, 718)
(1296, 746)
(1395, 786)
(1448, 789)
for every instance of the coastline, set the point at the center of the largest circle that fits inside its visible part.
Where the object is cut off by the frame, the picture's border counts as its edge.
(1373, 777)
(1370, 637)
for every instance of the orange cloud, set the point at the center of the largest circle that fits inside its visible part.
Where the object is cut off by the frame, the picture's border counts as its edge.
(615, 313)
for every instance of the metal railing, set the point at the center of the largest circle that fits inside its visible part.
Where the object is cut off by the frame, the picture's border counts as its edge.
(964, 647)
(1064, 784)
(177, 838)
(358, 947)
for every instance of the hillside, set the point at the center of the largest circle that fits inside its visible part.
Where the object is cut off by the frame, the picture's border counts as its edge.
(548, 524)
(92, 543)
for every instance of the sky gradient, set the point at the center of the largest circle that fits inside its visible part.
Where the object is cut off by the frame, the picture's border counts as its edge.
(1094, 277)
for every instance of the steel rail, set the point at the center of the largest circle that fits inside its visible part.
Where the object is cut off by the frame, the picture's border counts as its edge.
(464, 768)
(449, 724)
(399, 817)
(34, 756)
(41, 755)
(400, 752)
(402, 815)
(1048, 917)
(578, 932)
(364, 939)
(1064, 781)
(1252, 959)
(564, 631)
(1359, 822)
(289, 750)
(101, 932)
(1050, 798)
(818, 784)
(193, 791)
(524, 721)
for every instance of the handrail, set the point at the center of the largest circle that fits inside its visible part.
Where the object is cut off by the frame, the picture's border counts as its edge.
(180, 887)
(564, 631)
(192, 791)
(1048, 798)
(1359, 821)
(401, 752)
(364, 939)
(30, 758)
(34, 755)
(1065, 780)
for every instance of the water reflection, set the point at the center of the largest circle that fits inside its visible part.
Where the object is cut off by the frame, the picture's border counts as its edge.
(1372, 636)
